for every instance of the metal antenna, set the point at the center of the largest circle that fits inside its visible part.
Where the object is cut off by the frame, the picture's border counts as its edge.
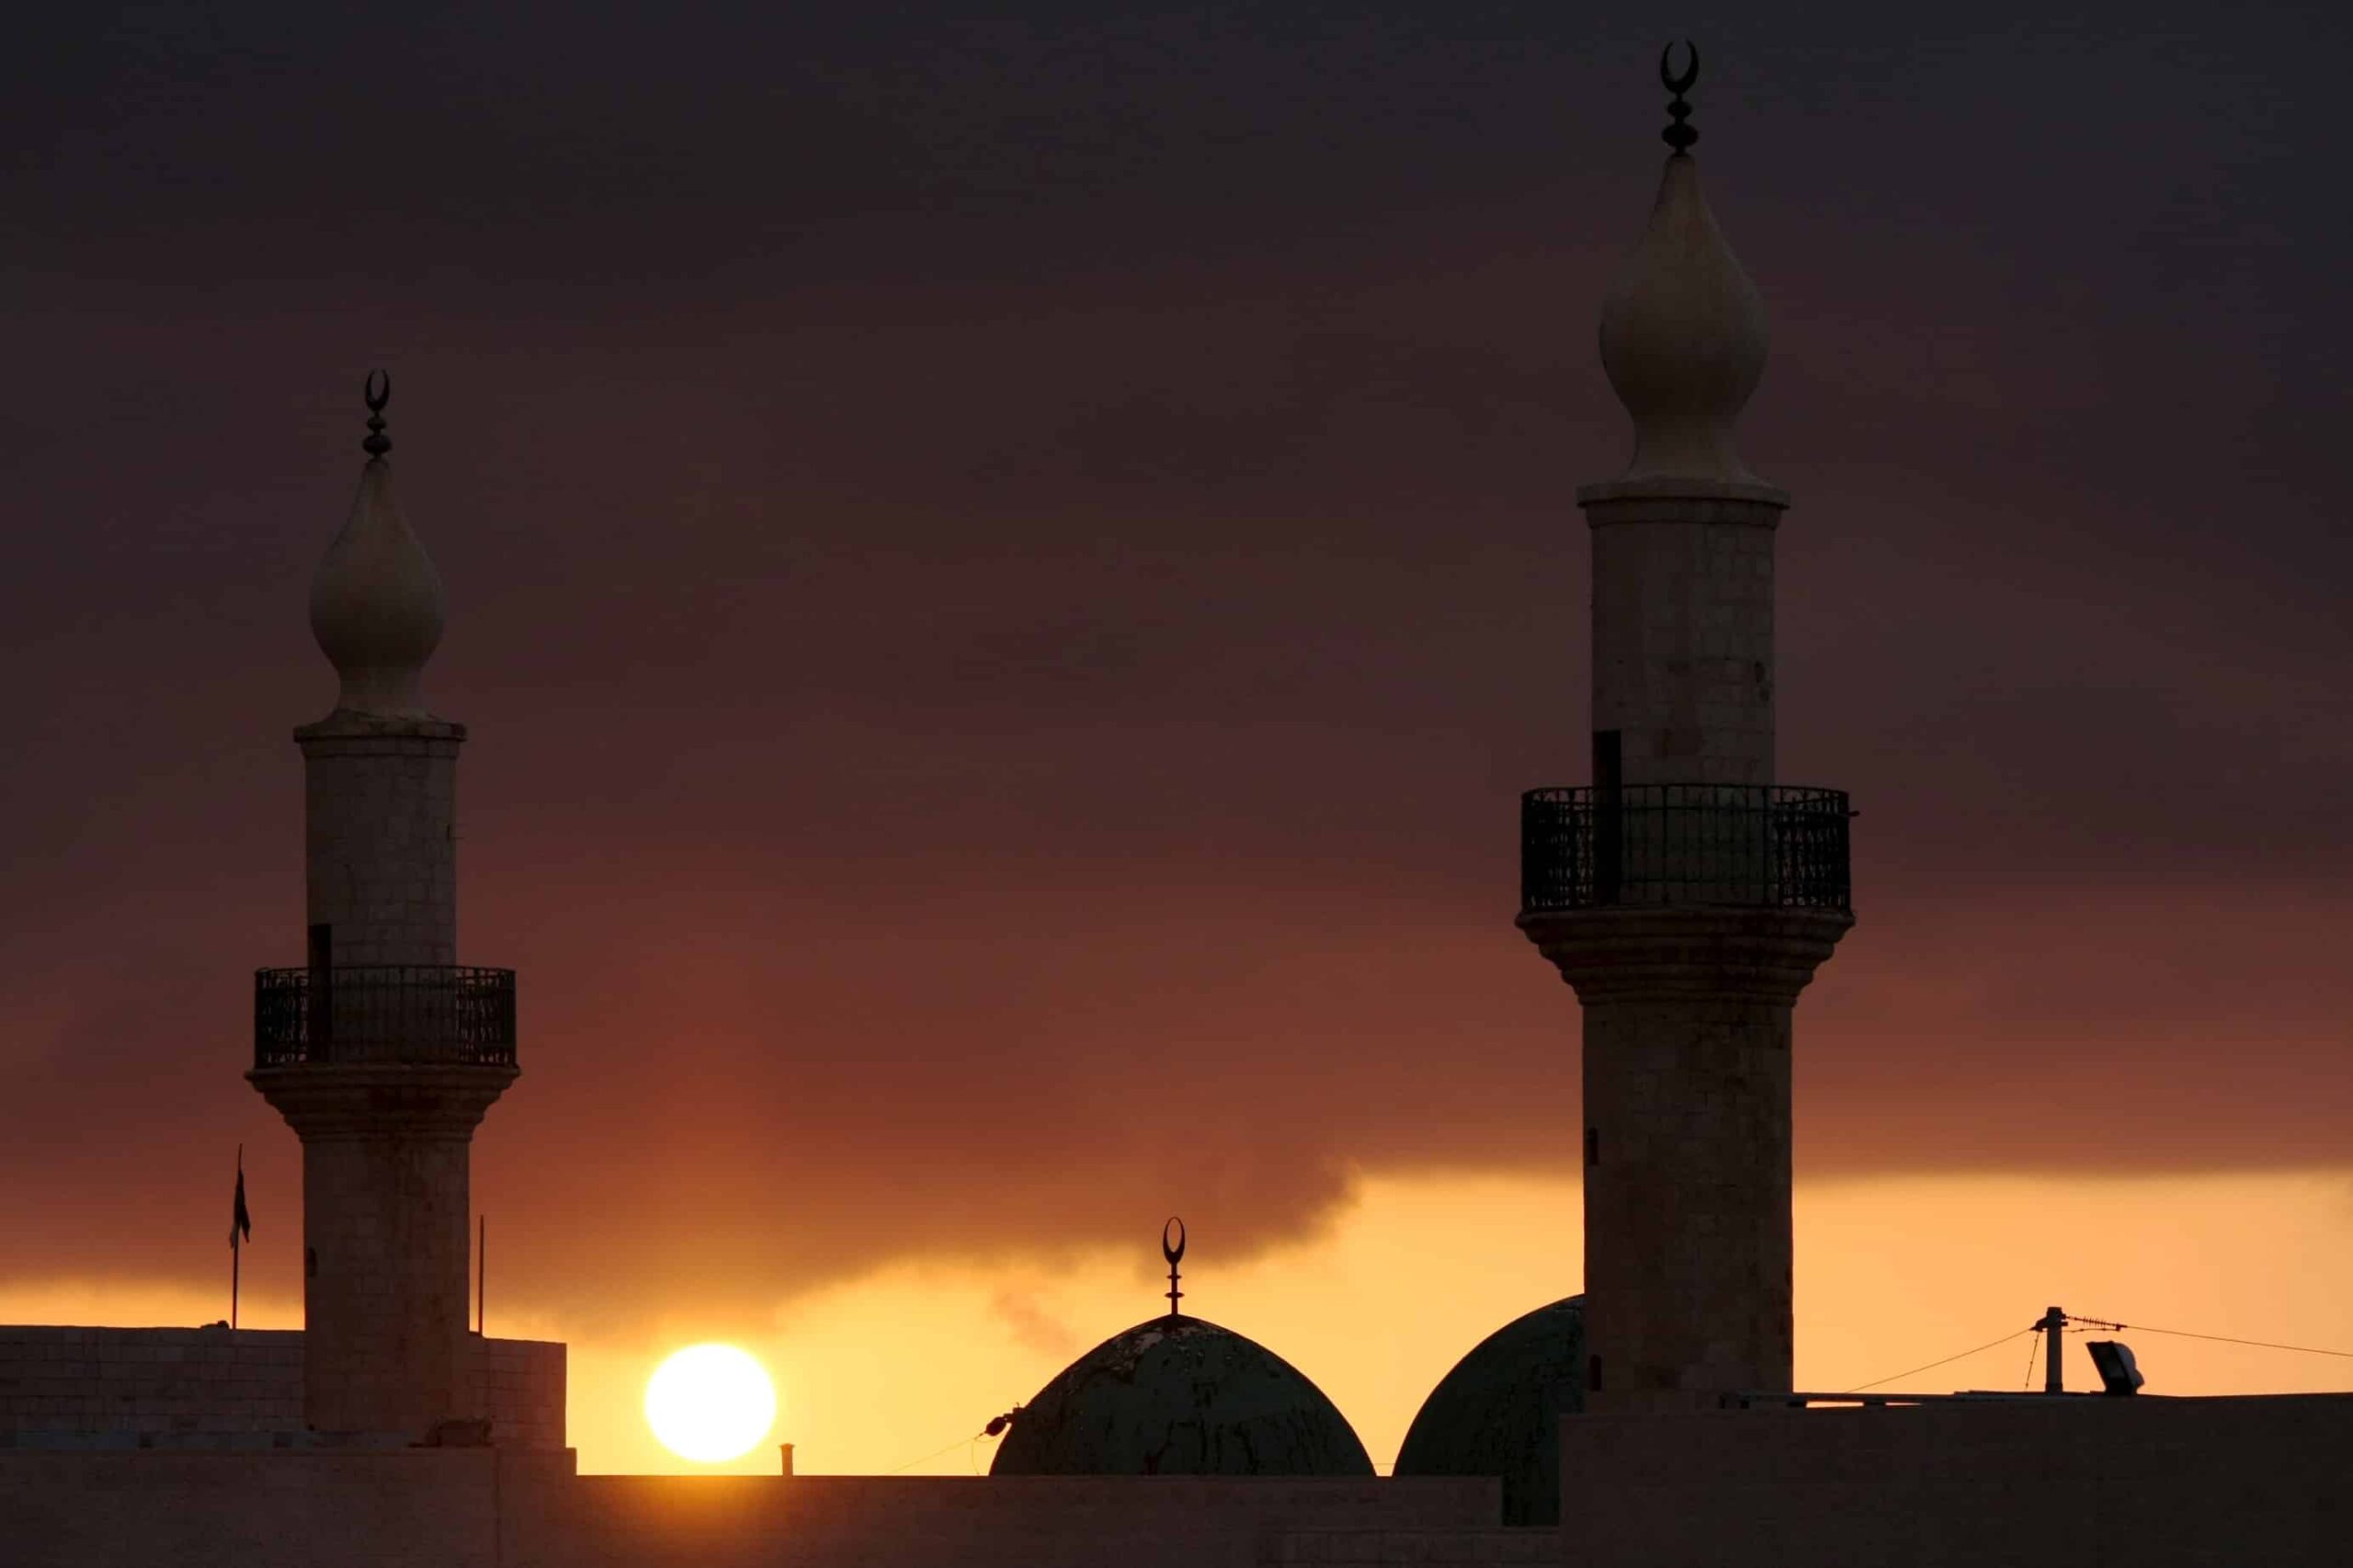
(1678, 134)
(2053, 1324)
(1175, 1253)
(377, 392)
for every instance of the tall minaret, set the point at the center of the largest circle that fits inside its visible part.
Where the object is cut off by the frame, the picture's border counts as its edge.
(380, 1051)
(1685, 896)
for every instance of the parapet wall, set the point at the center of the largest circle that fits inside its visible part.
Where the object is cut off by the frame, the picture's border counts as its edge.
(395, 1508)
(1497, 1547)
(83, 1386)
(1021, 1521)
(2068, 1481)
(496, 1508)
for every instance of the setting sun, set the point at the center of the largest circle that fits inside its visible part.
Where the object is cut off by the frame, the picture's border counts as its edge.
(710, 1403)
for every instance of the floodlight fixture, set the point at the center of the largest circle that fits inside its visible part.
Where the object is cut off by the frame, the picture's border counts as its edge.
(2118, 1373)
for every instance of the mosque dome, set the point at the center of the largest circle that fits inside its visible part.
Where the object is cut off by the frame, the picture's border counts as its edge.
(1498, 1413)
(1180, 1396)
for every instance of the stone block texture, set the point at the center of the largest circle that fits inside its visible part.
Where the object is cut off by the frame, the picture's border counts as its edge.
(386, 1142)
(2061, 1481)
(1683, 636)
(1687, 1142)
(385, 1288)
(446, 1508)
(381, 835)
(1687, 1196)
(1372, 1548)
(820, 1521)
(89, 1386)
(386, 1248)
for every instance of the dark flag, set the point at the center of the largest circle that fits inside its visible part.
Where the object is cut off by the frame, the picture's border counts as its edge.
(240, 1223)
(241, 1230)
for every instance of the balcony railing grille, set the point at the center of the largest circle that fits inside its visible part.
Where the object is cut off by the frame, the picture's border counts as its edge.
(1769, 845)
(412, 1015)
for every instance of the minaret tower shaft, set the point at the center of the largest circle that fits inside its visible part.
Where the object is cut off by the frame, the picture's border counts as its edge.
(1685, 896)
(380, 1051)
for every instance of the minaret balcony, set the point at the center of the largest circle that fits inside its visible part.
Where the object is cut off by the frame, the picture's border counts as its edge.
(384, 1015)
(1696, 846)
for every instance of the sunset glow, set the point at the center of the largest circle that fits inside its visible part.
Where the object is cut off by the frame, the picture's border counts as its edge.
(711, 1404)
(1000, 581)
(898, 1368)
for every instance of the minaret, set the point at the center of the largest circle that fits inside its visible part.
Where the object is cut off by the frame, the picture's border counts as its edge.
(1685, 894)
(381, 1052)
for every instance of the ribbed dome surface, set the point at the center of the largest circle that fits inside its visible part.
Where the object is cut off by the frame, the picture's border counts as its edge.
(1179, 1396)
(1498, 1413)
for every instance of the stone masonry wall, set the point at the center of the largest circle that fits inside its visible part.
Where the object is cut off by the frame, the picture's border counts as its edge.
(1029, 1521)
(2067, 1481)
(1425, 1548)
(408, 1508)
(491, 1508)
(1689, 1283)
(86, 1386)
(1683, 638)
(380, 828)
(385, 1288)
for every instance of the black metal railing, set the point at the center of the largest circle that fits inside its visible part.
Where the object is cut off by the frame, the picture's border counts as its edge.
(1755, 846)
(414, 1014)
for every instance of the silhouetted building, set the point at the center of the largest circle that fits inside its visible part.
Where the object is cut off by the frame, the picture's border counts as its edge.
(1685, 893)
(380, 1051)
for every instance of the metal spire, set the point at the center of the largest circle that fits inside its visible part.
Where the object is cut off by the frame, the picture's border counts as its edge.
(1174, 1255)
(377, 392)
(1678, 134)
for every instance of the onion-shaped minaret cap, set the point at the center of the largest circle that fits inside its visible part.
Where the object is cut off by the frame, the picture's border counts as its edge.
(1683, 328)
(377, 605)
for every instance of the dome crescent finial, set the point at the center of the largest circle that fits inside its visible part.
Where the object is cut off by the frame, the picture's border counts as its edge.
(1175, 1253)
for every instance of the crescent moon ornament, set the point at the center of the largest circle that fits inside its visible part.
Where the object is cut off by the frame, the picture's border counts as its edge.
(377, 390)
(1678, 135)
(1175, 1252)
(1679, 85)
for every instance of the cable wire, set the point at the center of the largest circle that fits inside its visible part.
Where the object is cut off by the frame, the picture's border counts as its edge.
(2226, 1339)
(929, 1457)
(1932, 1366)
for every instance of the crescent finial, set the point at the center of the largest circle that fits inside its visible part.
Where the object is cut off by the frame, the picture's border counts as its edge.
(1681, 85)
(1678, 134)
(1175, 1252)
(376, 391)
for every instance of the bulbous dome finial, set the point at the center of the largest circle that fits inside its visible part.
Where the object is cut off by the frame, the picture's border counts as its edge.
(1683, 328)
(377, 605)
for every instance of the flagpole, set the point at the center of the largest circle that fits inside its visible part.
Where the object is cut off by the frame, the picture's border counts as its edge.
(236, 1249)
(482, 1272)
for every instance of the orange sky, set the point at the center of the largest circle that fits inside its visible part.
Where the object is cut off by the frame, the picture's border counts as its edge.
(899, 1367)
(1000, 660)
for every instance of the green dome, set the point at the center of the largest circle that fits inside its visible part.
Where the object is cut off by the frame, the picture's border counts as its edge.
(1498, 1413)
(1178, 1397)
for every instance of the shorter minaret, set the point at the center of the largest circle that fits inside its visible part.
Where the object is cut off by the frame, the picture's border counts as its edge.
(380, 1051)
(1683, 893)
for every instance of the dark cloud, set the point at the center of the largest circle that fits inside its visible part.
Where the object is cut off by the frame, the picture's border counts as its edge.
(1007, 577)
